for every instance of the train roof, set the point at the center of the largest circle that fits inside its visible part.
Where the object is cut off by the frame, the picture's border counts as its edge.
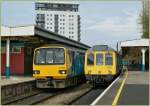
(101, 48)
(62, 45)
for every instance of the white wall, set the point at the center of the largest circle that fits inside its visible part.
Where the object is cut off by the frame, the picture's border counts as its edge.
(17, 31)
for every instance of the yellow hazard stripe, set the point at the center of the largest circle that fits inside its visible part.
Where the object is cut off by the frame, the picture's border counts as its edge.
(120, 89)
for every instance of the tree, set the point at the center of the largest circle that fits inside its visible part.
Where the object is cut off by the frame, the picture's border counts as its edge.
(144, 19)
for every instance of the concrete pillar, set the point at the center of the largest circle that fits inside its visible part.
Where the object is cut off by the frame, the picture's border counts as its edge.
(8, 58)
(143, 50)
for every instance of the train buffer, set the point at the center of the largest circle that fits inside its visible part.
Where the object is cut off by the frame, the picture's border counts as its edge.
(130, 89)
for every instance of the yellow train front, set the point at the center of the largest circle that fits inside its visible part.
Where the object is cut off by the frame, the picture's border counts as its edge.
(58, 66)
(102, 64)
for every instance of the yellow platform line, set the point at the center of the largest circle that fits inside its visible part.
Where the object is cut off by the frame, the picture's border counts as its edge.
(120, 89)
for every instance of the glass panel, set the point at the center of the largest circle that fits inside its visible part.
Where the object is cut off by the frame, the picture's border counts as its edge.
(40, 56)
(59, 56)
(90, 59)
(49, 56)
(108, 59)
(16, 49)
(99, 59)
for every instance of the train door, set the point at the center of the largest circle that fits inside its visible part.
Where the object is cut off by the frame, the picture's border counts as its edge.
(99, 68)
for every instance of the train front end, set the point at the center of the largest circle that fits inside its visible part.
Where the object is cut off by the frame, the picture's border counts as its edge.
(100, 66)
(49, 67)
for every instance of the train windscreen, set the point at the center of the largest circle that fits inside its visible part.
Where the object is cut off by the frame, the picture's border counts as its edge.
(49, 56)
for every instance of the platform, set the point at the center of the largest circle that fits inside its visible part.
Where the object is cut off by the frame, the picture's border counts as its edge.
(15, 80)
(135, 90)
(16, 87)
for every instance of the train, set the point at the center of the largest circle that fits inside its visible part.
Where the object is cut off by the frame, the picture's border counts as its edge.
(102, 64)
(58, 66)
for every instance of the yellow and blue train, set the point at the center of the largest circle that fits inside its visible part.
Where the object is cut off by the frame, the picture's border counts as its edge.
(102, 64)
(58, 66)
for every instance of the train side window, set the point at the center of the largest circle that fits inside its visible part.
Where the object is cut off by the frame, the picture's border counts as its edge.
(108, 59)
(99, 59)
(90, 59)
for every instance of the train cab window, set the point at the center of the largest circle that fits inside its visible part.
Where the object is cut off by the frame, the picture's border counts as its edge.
(99, 59)
(108, 59)
(90, 59)
(59, 56)
(40, 56)
(49, 56)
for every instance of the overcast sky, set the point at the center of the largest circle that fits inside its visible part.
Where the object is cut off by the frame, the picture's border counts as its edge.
(102, 22)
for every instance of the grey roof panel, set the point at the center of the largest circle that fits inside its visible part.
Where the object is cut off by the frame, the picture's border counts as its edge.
(101, 48)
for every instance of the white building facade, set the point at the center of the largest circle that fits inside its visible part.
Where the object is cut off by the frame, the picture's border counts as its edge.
(59, 17)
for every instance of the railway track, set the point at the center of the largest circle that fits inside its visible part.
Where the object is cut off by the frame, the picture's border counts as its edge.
(48, 95)
(88, 97)
(91, 95)
(34, 99)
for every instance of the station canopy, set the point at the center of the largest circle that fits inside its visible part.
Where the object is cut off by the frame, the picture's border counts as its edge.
(135, 43)
(37, 34)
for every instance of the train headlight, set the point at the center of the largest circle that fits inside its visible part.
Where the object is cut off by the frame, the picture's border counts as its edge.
(62, 71)
(36, 72)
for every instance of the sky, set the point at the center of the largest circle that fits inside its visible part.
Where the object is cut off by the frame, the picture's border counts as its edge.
(102, 22)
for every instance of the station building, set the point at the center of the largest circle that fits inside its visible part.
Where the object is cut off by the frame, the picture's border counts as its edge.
(136, 54)
(18, 44)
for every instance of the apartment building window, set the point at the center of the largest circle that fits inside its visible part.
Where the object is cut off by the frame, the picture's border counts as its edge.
(55, 5)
